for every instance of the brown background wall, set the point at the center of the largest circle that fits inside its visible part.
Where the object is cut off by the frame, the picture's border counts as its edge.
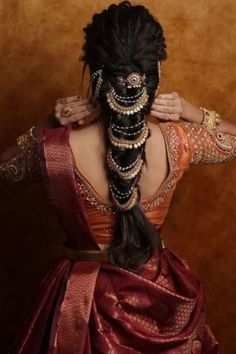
(40, 46)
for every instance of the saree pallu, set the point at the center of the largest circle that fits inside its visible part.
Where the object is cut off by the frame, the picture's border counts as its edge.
(89, 307)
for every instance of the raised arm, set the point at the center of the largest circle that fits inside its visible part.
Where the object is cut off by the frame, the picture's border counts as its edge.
(20, 163)
(207, 145)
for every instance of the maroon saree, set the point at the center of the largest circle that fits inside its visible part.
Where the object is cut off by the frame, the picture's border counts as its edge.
(86, 307)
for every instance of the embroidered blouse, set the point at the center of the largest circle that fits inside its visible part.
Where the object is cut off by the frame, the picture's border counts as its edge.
(186, 143)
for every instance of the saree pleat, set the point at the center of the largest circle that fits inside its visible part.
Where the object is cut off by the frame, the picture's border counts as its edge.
(35, 336)
(89, 307)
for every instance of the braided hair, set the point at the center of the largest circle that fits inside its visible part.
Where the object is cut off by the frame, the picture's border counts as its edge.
(124, 39)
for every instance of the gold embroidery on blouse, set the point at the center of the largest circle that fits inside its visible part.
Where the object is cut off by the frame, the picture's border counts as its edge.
(208, 146)
(14, 169)
(173, 143)
(89, 195)
(27, 142)
(26, 164)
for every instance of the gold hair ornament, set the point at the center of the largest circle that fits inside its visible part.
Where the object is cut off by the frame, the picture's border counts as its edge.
(129, 144)
(122, 168)
(127, 110)
(98, 84)
(120, 127)
(125, 175)
(159, 75)
(127, 133)
(121, 195)
(135, 80)
(133, 199)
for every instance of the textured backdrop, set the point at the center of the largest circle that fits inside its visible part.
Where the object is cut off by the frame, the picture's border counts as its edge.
(40, 48)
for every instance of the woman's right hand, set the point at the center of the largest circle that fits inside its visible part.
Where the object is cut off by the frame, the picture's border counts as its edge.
(82, 110)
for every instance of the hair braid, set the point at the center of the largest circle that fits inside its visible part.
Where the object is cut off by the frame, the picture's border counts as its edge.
(125, 39)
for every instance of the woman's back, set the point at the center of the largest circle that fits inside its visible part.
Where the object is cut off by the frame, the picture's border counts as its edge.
(167, 159)
(88, 149)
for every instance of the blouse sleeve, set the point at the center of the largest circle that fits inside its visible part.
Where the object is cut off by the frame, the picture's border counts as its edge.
(208, 146)
(24, 167)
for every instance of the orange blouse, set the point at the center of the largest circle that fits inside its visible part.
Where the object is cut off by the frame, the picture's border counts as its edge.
(185, 142)
(101, 213)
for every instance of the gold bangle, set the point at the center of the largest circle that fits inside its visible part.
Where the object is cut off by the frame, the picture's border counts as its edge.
(211, 119)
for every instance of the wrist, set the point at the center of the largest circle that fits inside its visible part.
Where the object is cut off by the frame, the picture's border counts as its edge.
(190, 112)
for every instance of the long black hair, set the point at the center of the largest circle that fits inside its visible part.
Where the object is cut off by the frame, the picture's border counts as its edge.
(124, 39)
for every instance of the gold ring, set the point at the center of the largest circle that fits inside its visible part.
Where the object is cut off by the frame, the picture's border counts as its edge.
(66, 111)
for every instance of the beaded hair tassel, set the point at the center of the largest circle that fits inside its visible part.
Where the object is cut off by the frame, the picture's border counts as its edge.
(97, 74)
(133, 136)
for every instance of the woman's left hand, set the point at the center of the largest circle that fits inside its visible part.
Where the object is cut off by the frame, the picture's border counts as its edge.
(168, 106)
(173, 107)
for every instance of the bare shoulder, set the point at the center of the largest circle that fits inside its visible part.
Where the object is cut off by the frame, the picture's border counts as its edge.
(85, 140)
(84, 133)
(154, 128)
(88, 137)
(156, 138)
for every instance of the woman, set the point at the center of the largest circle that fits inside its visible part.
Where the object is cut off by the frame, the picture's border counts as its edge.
(119, 289)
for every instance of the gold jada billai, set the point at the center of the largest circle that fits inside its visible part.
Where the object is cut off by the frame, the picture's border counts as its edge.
(125, 193)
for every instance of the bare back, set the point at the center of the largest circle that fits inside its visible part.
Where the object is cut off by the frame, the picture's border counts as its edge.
(89, 152)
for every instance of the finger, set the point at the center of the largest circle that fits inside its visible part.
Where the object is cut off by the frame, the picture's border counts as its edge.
(57, 115)
(81, 111)
(77, 108)
(58, 107)
(69, 99)
(77, 114)
(80, 115)
(78, 103)
(164, 102)
(167, 96)
(164, 109)
(81, 107)
(83, 101)
(165, 116)
(175, 117)
(158, 115)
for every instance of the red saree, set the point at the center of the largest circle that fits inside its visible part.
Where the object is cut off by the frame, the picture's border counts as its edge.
(87, 307)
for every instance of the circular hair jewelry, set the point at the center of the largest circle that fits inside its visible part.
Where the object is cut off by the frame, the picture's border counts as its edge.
(126, 175)
(135, 80)
(133, 199)
(122, 168)
(132, 104)
(126, 133)
(124, 97)
(127, 110)
(127, 128)
(129, 144)
(122, 194)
